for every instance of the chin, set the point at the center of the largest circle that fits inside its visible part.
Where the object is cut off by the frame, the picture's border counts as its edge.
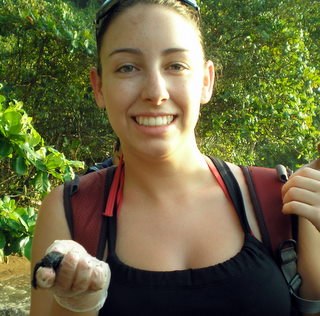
(158, 151)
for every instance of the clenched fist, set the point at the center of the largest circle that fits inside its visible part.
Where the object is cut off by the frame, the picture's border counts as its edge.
(78, 280)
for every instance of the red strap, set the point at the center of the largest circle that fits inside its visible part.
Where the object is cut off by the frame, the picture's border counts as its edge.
(113, 193)
(120, 195)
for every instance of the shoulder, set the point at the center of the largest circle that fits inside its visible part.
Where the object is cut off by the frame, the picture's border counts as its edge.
(250, 213)
(51, 223)
(55, 197)
(51, 207)
(259, 174)
(237, 172)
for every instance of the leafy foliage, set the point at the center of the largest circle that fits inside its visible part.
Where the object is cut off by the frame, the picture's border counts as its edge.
(22, 144)
(32, 164)
(47, 49)
(16, 228)
(266, 107)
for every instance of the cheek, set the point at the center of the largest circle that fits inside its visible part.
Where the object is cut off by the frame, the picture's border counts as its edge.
(116, 97)
(193, 91)
(120, 91)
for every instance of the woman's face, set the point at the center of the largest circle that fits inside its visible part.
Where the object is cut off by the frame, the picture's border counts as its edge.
(153, 80)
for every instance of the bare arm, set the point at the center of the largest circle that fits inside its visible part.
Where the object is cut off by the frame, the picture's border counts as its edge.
(51, 226)
(301, 196)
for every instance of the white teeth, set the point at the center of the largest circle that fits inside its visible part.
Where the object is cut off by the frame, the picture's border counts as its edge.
(154, 120)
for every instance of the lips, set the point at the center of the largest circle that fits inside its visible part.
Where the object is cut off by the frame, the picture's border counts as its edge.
(154, 121)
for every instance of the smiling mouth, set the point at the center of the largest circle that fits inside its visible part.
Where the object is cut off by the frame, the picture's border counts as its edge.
(154, 120)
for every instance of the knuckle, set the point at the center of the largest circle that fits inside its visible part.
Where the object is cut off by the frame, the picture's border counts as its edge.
(84, 264)
(297, 180)
(291, 206)
(290, 194)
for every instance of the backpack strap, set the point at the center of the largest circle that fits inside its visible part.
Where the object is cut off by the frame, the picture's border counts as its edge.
(85, 199)
(84, 202)
(234, 191)
(279, 232)
(264, 185)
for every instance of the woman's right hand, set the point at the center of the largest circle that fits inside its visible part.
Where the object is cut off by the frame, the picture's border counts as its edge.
(81, 281)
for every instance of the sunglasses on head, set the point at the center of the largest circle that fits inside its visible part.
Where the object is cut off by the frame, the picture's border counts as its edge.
(108, 4)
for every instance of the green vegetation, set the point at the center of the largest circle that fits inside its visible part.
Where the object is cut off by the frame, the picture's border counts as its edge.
(265, 109)
(27, 166)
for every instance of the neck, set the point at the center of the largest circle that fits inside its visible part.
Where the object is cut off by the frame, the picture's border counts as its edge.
(165, 177)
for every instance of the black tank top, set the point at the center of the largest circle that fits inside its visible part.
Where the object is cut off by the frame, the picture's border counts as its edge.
(249, 284)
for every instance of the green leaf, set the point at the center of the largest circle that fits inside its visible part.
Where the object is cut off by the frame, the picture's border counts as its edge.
(24, 224)
(13, 121)
(20, 166)
(2, 98)
(41, 182)
(40, 165)
(31, 226)
(21, 211)
(34, 138)
(5, 148)
(77, 164)
(27, 249)
(54, 160)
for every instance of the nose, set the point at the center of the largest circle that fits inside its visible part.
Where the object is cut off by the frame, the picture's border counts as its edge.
(155, 90)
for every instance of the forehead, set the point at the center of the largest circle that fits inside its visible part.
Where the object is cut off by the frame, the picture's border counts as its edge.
(147, 26)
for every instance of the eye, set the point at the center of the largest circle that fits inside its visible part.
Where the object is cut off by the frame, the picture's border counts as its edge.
(177, 67)
(126, 68)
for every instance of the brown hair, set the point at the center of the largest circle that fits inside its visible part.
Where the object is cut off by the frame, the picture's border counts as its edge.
(180, 7)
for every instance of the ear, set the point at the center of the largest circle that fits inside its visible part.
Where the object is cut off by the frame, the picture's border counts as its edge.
(96, 84)
(208, 82)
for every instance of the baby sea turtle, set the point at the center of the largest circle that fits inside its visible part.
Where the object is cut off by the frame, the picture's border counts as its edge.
(51, 260)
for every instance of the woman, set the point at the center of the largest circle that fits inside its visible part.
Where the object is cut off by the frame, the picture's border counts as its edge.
(181, 247)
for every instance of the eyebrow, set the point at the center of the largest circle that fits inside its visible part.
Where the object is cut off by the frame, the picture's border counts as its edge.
(137, 51)
(174, 50)
(134, 51)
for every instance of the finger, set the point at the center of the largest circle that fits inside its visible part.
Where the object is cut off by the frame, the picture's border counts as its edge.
(302, 195)
(308, 173)
(305, 210)
(83, 276)
(45, 277)
(100, 276)
(308, 179)
(303, 182)
(67, 271)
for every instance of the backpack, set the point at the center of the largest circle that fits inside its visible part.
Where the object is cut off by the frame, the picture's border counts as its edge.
(84, 208)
